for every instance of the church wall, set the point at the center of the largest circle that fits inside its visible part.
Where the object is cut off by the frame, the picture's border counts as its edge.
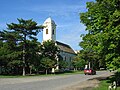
(50, 34)
(50, 26)
(47, 36)
(53, 32)
(68, 57)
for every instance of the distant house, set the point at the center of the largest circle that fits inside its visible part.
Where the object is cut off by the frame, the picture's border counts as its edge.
(49, 33)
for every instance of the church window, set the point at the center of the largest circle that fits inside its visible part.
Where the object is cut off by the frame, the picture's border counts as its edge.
(53, 32)
(70, 58)
(46, 31)
(65, 58)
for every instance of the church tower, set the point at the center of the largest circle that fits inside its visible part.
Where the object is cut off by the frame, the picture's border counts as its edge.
(49, 31)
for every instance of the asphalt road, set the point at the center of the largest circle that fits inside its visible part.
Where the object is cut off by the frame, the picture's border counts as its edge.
(45, 83)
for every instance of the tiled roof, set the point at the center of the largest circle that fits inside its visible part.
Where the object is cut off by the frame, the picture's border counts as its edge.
(65, 47)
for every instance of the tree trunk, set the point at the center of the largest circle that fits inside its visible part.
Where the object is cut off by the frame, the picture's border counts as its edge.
(23, 60)
(37, 71)
(46, 71)
(0, 69)
(30, 69)
(23, 71)
(24, 50)
(74, 69)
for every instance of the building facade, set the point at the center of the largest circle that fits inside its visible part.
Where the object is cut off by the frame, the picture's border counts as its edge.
(49, 33)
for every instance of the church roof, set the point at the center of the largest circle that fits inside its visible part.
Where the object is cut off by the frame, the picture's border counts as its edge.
(65, 47)
(49, 20)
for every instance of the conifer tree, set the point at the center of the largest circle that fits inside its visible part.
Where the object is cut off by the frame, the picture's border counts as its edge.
(27, 29)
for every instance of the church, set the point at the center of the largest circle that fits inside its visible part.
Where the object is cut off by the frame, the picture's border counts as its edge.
(49, 33)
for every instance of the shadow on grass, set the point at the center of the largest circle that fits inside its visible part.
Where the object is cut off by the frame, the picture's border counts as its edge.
(106, 81)
(110, 79)
(99, 78)
(115, 77)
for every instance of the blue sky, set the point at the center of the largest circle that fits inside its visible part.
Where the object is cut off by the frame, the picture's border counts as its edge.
(65, 13)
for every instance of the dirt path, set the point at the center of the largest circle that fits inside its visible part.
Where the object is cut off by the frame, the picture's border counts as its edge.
(89, 84)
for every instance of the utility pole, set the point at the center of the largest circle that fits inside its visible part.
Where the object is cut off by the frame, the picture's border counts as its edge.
(89, 64)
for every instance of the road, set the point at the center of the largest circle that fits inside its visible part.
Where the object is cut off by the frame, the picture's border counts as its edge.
(53, 82)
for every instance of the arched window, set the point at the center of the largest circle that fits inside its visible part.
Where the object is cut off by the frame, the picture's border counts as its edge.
(46, 31)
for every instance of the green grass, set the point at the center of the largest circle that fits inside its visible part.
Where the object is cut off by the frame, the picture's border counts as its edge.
(42, 75)
(105, 83)
(10, 76)
(104, 86)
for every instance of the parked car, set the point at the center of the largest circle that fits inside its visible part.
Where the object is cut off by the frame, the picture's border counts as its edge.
(89, 71)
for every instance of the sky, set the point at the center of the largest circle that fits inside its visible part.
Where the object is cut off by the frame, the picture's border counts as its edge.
(65, 13)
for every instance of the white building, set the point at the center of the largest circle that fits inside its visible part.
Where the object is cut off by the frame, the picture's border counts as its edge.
(49, 33)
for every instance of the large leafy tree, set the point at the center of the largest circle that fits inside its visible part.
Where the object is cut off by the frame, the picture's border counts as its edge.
(102, 21)
(27, 29)
(88, 58)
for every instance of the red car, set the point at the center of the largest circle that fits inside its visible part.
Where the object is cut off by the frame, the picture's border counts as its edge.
(89, 71)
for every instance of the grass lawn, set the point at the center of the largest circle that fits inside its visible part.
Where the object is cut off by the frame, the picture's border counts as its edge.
(104, 86)
(34, 75)
(105, 83)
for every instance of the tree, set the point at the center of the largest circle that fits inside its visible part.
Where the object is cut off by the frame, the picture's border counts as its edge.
(26, 29)
(62, 63)
(9, 52)
(50, 50)
(47, 63)
(33, 55)
(103, 38)
(78, 62)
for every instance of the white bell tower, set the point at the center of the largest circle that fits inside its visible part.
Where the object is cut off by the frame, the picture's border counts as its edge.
(49, 31)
